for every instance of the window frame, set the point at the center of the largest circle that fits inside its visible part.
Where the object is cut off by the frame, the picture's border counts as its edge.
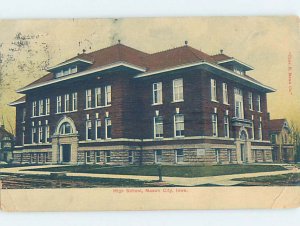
(34, 110)
(108, 95)
(58, 104)
(250, 101)
(178, 95)
(88, 99)
(157, 124)
(47, 110)
(74, 101)
(226, 128)
(214, 120)
(258, 99)
(225, 93)
(98, 97)
(67, 103)
(96, 128)
(175, 125)
(88, 129)
(106, 128)
(41, 108)
(213, 90)
(158, 92)
(177, 156)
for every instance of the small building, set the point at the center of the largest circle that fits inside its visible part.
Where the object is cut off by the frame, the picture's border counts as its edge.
(6, 145)
(282, 147)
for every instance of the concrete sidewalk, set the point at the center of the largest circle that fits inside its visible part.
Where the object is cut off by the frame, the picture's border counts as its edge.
(225, 180)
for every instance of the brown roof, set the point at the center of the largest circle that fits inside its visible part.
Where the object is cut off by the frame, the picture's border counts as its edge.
(276, 125)
(220, 57)
(177, 56)
(151, 62)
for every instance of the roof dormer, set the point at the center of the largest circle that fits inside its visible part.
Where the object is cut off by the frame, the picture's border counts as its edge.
(69, 67)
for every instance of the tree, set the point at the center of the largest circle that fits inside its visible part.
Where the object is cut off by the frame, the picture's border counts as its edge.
(295, 139)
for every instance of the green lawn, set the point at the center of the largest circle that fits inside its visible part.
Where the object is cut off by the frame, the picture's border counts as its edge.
(168, 170)
(290, 179)
(19, 181)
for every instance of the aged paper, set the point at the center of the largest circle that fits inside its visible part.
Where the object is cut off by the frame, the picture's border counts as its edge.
(149, 113)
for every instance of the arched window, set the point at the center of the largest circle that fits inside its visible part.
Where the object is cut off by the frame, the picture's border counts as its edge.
(243, 135)
(65, 128)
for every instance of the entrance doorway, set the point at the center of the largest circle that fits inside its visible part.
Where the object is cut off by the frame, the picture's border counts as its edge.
(243, 152)
(66, 152)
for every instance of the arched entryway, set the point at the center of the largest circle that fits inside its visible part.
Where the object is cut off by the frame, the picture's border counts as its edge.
(243, 146)
(65, 141)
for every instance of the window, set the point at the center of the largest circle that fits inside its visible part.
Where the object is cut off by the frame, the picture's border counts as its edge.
(98, 129)
(107, 156)
(47, 106)
(238, 71)
(87, 156)
(47, 138)
(250, 101)
(273, 138)
(260, 130)
(108, 128)
(178, 90)
(258, 103)
(98, 97)
(179, 155)
(157, 156)
(41, 107)
(67, 102)
(252, 129)
(88, 130)
(217, 153)
(158, 127)
(225, 93)
(40, 134)
(215, 124)
(34, 108)
(58, 104)
(97, 156)
(88, 99)
(157, 93)
(179, 125)
(238, 99)
(73, 69)
(33, 135)
(226, 126)
(107, 95)
(213, 89)
(130, 156)
(23, 136)
(23, 114)
(65, 128)
(74, 101)
(229, 155)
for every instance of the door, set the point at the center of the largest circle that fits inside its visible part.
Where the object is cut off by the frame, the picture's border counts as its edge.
(66, 152)
(243, 152)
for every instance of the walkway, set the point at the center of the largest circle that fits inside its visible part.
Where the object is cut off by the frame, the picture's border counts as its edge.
(225, 180)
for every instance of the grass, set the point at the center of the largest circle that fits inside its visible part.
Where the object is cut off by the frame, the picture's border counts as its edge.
(15, 165)
(290, 179)
(168, 170)
(21, 181)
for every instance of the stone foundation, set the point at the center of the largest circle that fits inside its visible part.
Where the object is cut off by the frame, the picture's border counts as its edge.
(200, 156)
